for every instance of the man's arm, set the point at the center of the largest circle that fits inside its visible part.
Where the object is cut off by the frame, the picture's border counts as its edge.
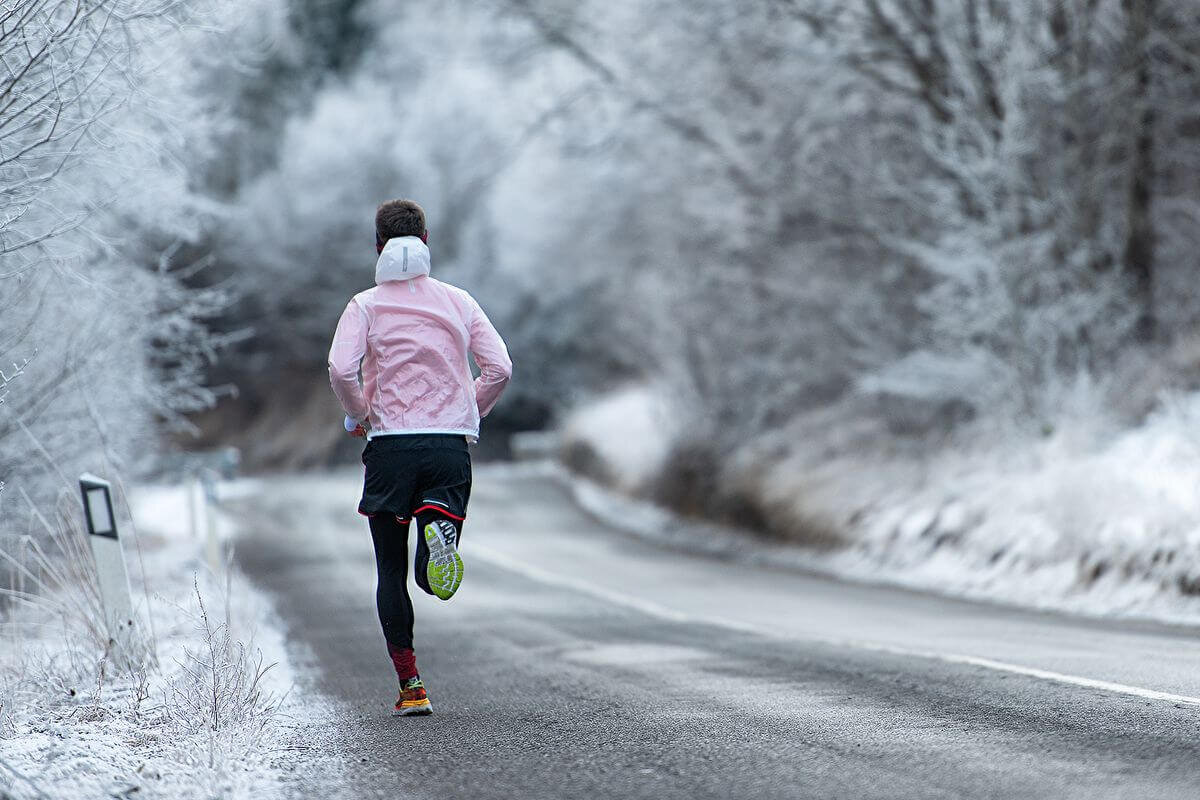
(349, 347)
(495, 367)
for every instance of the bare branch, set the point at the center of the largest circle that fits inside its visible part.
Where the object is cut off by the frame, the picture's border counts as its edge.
(687, 129)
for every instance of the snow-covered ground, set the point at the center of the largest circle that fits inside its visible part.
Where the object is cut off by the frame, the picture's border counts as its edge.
(207, 714)
(1088, 517)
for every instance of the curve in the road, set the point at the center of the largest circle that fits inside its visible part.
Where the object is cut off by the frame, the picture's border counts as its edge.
(671, 615)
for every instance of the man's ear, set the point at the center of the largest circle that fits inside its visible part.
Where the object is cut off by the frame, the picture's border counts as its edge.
(425, 236)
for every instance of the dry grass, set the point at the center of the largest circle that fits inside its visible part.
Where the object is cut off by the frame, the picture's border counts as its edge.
(219, 683)
(56, 580)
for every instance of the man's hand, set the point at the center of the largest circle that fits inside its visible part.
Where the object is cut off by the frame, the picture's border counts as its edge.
(354, 428)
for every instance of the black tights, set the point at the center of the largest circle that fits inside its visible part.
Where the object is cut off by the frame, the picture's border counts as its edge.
(391, 562)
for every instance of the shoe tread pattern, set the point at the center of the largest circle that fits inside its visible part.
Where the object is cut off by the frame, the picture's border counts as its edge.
(445, 568)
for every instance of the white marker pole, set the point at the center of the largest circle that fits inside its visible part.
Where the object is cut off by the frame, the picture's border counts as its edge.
(115, 597)
(190, 486)
(212, 544)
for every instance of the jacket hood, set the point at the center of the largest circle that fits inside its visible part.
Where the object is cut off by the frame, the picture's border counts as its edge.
(402, 259)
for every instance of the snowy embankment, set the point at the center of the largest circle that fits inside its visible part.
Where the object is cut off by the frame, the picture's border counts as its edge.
(201, 710)
(1088, 518)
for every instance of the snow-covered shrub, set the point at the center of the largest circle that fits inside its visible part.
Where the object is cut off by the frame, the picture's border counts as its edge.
(622, 439)
(1087, 514)
(219, 682)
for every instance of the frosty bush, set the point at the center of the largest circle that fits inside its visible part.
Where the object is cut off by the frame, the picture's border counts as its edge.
(219, 683)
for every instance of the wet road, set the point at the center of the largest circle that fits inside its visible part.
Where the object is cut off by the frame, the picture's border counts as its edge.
(579, 662)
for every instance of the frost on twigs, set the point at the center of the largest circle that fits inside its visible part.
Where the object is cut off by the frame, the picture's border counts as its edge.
(9, 377)
(218, 683)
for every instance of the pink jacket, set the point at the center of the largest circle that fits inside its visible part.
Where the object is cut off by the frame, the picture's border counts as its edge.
(411, 334)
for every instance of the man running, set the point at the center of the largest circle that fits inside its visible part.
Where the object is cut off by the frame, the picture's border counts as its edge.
(418, 407)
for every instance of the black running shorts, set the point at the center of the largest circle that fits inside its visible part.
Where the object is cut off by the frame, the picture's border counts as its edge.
(410, 473)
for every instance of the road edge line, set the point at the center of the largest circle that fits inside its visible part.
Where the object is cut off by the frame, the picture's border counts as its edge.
(671, 615)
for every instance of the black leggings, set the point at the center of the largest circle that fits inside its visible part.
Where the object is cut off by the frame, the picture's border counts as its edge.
(391, 563)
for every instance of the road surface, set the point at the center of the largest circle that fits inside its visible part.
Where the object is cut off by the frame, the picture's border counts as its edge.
(577, 661)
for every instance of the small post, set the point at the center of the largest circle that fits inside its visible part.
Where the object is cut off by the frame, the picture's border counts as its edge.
(115, 596)
(190, 488)
(212, 544)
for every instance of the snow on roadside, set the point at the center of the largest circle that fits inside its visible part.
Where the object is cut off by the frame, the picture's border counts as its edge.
(207, 717)
(1089, 519)
(629, 430)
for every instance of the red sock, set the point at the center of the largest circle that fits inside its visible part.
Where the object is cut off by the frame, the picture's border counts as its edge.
(404, 660)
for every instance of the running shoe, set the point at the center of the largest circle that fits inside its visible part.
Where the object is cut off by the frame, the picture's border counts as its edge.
(445, 567)
(413, 700)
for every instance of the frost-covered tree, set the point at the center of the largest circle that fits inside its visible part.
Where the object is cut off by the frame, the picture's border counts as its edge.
(62, 63)
(1008, 177)
(731, 149)
(958, 205)
(99, 115)
(1160, 91)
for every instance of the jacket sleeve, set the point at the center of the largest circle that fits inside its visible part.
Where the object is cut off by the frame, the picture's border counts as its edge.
(495, 367)
(349, 347)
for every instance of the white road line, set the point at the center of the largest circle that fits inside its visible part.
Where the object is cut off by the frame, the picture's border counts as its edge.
(671, 615)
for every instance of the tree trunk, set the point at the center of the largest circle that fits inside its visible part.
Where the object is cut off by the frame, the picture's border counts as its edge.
(1140, 241)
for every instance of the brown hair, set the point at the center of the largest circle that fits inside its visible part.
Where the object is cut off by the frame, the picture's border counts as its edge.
(399, 218)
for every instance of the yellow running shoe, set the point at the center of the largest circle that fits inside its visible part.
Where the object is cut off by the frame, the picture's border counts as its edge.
(413, 701)
(445, 568)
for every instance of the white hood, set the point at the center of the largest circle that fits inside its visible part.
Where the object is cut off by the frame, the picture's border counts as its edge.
(402, 259)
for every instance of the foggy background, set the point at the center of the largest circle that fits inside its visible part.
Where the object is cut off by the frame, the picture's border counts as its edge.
(906, 282)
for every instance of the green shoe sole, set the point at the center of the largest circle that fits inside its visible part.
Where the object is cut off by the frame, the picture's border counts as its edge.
(445, 569)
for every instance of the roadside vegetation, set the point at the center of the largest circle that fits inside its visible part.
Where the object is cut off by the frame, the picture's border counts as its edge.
(104, 346)
(186, 707)
(873, 255)
(875, 262)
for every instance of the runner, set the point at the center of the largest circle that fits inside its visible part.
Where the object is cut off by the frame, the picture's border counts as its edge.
(418, 407)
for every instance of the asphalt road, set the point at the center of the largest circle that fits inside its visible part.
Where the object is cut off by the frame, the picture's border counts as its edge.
(579, 662)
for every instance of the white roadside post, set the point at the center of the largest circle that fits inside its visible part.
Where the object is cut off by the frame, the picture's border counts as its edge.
(115, 597)
(190, 487)
(212, 544)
